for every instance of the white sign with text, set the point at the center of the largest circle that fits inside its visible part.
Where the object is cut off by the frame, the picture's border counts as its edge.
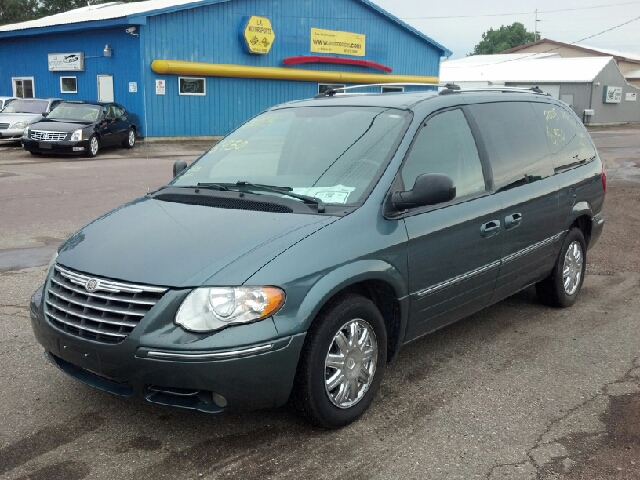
(66, 62)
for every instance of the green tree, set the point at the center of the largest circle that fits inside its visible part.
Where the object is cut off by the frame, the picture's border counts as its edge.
(496, 41)
(14, 11)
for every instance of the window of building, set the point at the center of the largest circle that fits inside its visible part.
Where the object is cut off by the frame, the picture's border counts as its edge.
(68, 85)
(23, 87)
(323, 87)
(446, 145)
(392, 89)
(192, 86)
(515, 143)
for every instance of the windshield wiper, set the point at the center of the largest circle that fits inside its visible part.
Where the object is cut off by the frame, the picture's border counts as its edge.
(215, 186)
(288, 191)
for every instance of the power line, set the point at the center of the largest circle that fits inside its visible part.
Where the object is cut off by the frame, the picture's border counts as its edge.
(518, 13)
(552, 49)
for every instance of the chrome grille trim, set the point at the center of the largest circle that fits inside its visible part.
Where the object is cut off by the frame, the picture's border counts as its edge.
(83, 316)
(4, 126)
(107, 285)
(92, 330)
(47, 136)
(113, 298)
(73, 306)
(96, 307)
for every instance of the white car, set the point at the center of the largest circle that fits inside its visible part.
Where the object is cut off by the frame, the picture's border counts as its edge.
(20, 113)
(4, 101)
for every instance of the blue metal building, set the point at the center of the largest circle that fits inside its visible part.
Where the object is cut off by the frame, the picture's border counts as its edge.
(199, 68)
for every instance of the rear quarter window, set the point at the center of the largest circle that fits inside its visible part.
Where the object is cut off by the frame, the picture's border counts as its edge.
(515, 141)
(567, 138)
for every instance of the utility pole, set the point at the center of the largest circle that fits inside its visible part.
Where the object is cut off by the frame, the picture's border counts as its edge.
(536, 34)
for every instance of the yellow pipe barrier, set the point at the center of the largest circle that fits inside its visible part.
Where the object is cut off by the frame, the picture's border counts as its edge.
(178, 67)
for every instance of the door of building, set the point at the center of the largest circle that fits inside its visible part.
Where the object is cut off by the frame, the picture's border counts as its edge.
(105, 88)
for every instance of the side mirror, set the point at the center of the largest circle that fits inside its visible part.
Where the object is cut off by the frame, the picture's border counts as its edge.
(44, 114)
(179, 167)
(429, 189)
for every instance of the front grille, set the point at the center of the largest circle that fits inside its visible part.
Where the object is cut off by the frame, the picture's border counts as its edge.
(47, 136)
(95, 308)
(4, 126)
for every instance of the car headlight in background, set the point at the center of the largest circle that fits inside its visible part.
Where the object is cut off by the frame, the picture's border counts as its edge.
(76, 136)
(26, 132)
(214, 308)
(19, 125)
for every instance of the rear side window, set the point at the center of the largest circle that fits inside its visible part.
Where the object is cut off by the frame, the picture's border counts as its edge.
(515, 142)
(445, 145)
(567, 138)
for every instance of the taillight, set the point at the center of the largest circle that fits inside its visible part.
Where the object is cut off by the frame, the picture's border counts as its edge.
(604, 178)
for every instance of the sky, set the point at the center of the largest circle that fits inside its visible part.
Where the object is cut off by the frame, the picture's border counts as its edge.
(459, 24)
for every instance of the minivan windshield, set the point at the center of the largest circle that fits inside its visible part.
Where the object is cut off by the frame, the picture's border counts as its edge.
(26, 106)
(74, 112)
(334, 154)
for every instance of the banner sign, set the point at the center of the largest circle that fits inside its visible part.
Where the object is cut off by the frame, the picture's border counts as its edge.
(341, 43)
(66, 62)
(630, 97)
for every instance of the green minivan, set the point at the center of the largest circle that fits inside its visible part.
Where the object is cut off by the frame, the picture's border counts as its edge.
(293, 259)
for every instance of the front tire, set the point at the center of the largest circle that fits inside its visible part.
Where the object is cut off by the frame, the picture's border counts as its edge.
(561, 288)
(341, 363)
(94, 147)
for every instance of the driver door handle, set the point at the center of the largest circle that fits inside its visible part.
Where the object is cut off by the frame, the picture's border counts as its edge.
(490, 229)
(512, 221)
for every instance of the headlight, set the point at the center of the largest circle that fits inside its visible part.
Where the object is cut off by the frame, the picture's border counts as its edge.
(52, 262)
(19, 125)
(208, 309)
(26, 132)
(76, 136)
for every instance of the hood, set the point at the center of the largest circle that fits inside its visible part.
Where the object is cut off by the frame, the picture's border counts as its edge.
(59, 125)
(19, 117)
(176, 245)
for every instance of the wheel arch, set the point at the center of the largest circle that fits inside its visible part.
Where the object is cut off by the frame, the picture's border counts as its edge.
(375, 280)
(582, 218)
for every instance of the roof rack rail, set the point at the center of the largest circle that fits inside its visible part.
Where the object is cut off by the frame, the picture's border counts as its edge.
(334, 91)
(457, 89)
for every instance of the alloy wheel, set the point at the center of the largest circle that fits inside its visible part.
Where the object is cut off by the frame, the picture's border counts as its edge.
(572, 268)
(350, 364)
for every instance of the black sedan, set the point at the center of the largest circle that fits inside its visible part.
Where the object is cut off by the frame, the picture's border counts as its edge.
(80, 128)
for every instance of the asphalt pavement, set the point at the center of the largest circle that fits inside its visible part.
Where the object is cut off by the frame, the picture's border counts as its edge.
(517, 391)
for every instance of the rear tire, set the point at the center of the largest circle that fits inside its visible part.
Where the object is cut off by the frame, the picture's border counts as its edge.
(561, 288)
(341, 363)
(130, 141)
(94, 147)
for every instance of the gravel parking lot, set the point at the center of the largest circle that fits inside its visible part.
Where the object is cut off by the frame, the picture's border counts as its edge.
(517, 391)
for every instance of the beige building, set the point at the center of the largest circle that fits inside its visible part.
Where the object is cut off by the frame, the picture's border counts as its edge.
(628, 63)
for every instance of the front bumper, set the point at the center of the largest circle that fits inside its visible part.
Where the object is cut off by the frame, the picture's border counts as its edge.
(11, 134)
(254, 374)
(63, 147)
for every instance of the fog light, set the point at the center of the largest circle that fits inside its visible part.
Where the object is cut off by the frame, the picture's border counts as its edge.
(219, 400)
(78, 149)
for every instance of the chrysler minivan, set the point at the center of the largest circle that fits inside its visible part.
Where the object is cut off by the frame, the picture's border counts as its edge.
(294, 259)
